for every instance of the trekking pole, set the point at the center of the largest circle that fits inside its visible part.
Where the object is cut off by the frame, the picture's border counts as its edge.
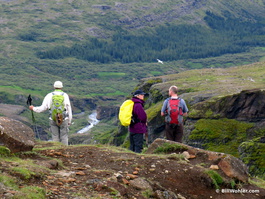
(29, 103)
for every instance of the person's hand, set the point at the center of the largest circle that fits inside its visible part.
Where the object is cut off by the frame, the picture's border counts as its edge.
(31, 107)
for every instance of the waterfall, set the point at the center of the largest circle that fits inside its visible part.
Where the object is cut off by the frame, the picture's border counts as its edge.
(92, 119)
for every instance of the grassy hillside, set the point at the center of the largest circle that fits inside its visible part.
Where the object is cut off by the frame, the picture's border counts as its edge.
(66, 30)
(100, 50)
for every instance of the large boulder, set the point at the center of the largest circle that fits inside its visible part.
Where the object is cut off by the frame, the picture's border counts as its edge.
(231, 166)
(15, 135)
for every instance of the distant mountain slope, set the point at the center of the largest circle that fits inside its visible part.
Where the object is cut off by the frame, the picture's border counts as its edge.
(42, 41)
(77, 19)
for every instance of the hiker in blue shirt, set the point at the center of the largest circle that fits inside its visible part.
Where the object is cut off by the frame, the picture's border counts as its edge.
(174, 108)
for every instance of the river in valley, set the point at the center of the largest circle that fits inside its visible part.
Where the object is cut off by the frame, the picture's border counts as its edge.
(92, 119)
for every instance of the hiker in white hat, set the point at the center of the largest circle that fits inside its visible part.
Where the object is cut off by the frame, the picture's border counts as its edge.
(58, 103)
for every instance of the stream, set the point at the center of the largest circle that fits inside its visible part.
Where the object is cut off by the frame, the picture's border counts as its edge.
(92, 119)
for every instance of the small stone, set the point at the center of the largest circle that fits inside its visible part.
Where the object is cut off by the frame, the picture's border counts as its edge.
(135, 172)
(214, 167)
(153, 166)
(81, 173)
(166, 171)
(152, 169)
(125, 181)
(59, 183)
(50, 177)
(45, 183)
(186, 154)
(70, 180)
(140, 184)
(131, 176)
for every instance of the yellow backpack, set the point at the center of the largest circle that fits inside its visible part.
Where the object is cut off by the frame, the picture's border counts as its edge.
(125, 113)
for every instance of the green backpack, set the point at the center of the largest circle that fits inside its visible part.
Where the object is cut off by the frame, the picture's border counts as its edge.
(57, 108)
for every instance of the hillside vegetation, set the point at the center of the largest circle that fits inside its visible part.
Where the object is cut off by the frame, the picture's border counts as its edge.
(72, 40)
(100, 50)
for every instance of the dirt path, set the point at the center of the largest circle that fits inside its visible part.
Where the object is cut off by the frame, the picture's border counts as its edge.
(96, 172)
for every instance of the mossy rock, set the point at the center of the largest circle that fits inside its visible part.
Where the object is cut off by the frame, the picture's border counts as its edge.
(4, 152)
(252, 153)
(170, 148)
(154, 111)
(222, 135)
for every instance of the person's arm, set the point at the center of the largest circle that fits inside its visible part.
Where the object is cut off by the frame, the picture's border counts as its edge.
(45, 105)
(140, 113)
(68, 108)
(185, 109)
(164, 108)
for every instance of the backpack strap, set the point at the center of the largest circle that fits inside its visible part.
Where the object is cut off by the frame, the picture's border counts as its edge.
(59, 94)
(135, 119)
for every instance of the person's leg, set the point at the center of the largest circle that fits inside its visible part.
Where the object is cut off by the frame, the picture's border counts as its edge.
(169, 132)
(131, 136)
(64, 132)
(54, 131)
(138, 142)
(179, 133)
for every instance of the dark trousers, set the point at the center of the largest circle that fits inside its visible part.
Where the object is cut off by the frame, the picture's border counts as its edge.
(174, 132)
(136, 142)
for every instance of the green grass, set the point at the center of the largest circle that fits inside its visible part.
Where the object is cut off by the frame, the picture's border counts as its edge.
(8, 181)
(31, 192)
(23, 172)
(169, 148)
(4, 152)
(252, 154)
(258, 182)
(217, 180)
(110, 74)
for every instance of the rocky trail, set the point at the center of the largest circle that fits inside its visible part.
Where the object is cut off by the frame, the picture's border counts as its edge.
(111, 172)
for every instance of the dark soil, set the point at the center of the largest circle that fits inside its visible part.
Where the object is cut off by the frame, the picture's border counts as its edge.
(102, 172)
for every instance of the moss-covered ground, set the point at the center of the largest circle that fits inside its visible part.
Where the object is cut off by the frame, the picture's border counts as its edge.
(222, 135)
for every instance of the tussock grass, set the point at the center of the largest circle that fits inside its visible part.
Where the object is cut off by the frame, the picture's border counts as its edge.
(217, 180)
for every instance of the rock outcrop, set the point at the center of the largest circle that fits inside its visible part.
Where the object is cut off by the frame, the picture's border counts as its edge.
(247, 105)
(231, 166)
(16, 135)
